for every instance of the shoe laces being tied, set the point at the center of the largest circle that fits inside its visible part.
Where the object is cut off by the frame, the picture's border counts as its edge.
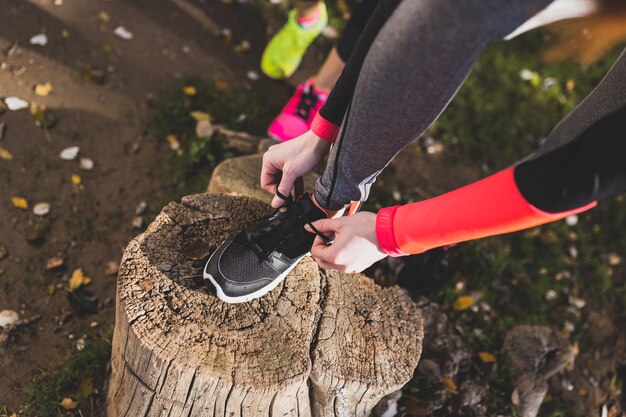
(264, 236)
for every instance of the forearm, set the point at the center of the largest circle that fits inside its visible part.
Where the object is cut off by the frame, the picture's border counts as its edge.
(565, 181)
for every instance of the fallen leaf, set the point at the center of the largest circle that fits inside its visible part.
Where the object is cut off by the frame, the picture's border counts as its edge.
(138, 222)
(123, 33)
(569, 85)
(40, 40)
(5, 154)
(104, 16)
(41, 209)
(172, 141)
(463, 302)
(15, 103)
(78, 279)
(86, 387)
(614, 259)
(69, 154)
(105, 47)
(487, 357)
(68, 403)
(200, 115)
(449, 384)
(43, 119)
(76, 179)
(221, 85)
(190, 90)
(43, 89)
(53, 263)
(19, 202)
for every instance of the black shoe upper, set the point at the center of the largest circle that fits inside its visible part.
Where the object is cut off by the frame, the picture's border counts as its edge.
(264, 250)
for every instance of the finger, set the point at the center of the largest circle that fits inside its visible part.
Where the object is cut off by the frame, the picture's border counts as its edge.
(285, 186)
(269, 173)
(321, 250)
(326, 225)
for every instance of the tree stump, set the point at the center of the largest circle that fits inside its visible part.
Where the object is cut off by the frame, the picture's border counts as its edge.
(320, 344)
(240, 176)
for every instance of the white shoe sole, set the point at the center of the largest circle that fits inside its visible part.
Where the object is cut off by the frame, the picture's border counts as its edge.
(258, 293)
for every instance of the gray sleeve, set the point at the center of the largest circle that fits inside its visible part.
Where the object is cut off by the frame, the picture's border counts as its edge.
(411, 72)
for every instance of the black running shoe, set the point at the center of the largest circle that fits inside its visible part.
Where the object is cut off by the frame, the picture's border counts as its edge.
(254, 261)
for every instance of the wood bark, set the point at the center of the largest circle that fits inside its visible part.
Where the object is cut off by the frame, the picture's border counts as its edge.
(320, 344)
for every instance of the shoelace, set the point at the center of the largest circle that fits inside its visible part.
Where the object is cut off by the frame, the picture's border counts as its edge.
(308, 100)
(263, 240)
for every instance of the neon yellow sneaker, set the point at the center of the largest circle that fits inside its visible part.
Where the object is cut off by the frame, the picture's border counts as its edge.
(285, 50)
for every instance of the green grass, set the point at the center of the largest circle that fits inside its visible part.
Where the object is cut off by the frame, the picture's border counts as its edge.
(191, 170)
(78, 377)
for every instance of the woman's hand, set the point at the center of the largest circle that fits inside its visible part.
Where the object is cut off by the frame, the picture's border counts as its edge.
(290, 160)
(355, 246)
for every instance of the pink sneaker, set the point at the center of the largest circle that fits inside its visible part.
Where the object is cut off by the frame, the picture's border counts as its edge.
(297, 116)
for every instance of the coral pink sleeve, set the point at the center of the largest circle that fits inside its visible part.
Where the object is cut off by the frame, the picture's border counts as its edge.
(324, 129)
(488, 207)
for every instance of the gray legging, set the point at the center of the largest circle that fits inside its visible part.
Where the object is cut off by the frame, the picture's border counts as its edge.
(412, 70)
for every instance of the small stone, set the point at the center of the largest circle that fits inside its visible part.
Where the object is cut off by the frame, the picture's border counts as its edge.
(573, 252)
(252, 75)
(8, 318)
(548, 83)
(204, 129)
(15, 103)
(138, 222)
(526, 74)
(41, 209)
(80, 344)
(93, 324)
(571, 220)
(576, 302)
(141, 208)
(54, 263)
(86, 164)
(69, 154)
(551, 295)
(40, 40)
(123, 33)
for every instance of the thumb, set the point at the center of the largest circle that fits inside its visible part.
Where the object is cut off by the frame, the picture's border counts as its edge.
(325, 225)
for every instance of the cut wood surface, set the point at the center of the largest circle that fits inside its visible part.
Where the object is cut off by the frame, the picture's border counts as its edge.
(240, 176)
(321, 343)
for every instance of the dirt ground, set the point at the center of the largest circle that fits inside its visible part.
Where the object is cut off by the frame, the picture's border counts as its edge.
(89, 224)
